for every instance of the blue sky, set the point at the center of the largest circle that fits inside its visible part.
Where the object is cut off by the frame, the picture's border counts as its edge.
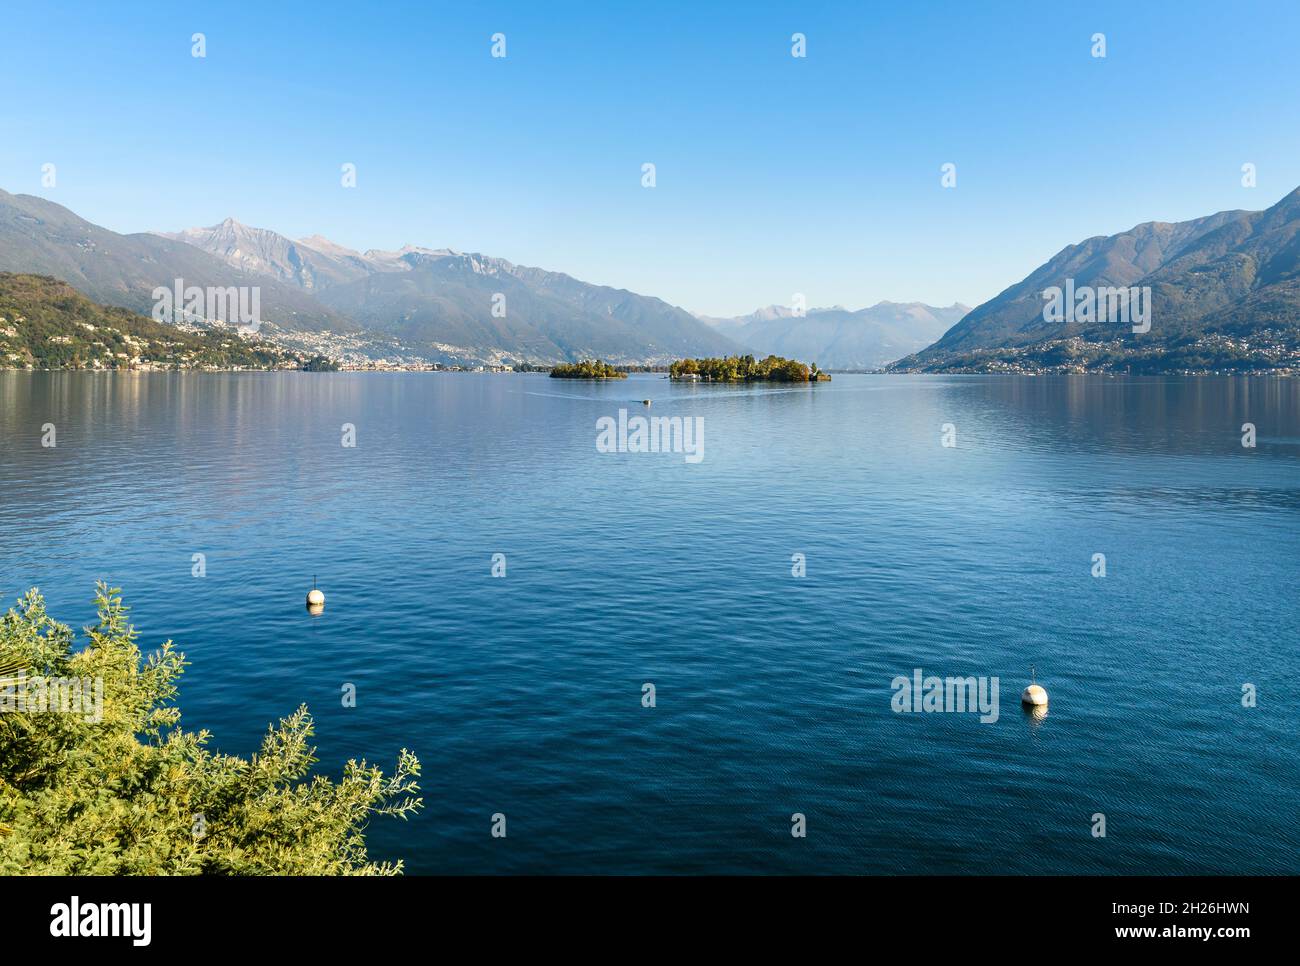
(775, 175)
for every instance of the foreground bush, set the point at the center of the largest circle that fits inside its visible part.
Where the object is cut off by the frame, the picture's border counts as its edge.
(134, 794)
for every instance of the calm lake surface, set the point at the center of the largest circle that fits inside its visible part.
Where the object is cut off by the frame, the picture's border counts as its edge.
(523, 695)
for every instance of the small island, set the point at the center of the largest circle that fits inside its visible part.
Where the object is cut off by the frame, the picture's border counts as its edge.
(588, 369)
(745, 369)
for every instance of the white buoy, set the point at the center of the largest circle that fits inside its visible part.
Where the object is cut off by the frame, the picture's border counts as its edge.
(315, 599)
(1035, 694)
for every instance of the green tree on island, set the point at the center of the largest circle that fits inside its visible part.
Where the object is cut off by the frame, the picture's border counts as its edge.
(134, 794)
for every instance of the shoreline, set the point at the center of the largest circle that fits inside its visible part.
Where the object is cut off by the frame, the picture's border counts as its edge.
(1281, 373)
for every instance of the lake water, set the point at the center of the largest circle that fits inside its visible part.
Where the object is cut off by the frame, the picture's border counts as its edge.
(523, 695)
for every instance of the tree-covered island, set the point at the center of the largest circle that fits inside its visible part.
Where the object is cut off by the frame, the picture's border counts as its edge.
(587, 369)
(746, 369)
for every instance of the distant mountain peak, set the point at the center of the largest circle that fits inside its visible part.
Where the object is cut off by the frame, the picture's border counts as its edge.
(329, 247)
(307, 264)
(383, 254)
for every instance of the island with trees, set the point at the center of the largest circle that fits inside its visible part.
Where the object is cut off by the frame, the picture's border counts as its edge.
(587, 369)
(746, 369)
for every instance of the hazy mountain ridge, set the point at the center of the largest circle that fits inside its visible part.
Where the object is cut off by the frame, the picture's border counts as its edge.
(837, 338)
(265, 252)
(445, 298)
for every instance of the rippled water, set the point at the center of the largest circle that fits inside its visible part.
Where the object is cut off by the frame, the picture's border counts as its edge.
(522, 695)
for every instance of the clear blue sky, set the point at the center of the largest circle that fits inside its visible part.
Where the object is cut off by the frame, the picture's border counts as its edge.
(775, 175)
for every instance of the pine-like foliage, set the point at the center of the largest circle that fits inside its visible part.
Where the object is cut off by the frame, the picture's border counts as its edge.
(135, 794)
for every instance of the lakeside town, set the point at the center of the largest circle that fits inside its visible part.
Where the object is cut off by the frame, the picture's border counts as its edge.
(1266, 353)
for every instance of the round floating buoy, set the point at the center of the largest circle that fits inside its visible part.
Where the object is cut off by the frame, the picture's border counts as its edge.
(1035, 694)
(315, 598)
(645, 402)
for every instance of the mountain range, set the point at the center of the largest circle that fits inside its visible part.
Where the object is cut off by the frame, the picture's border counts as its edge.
(837, 338)
(1230, 279)
(466, 304)
(437, 305)
(1224, 292)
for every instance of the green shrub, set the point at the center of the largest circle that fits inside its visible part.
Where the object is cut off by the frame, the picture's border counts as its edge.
(134, 794)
